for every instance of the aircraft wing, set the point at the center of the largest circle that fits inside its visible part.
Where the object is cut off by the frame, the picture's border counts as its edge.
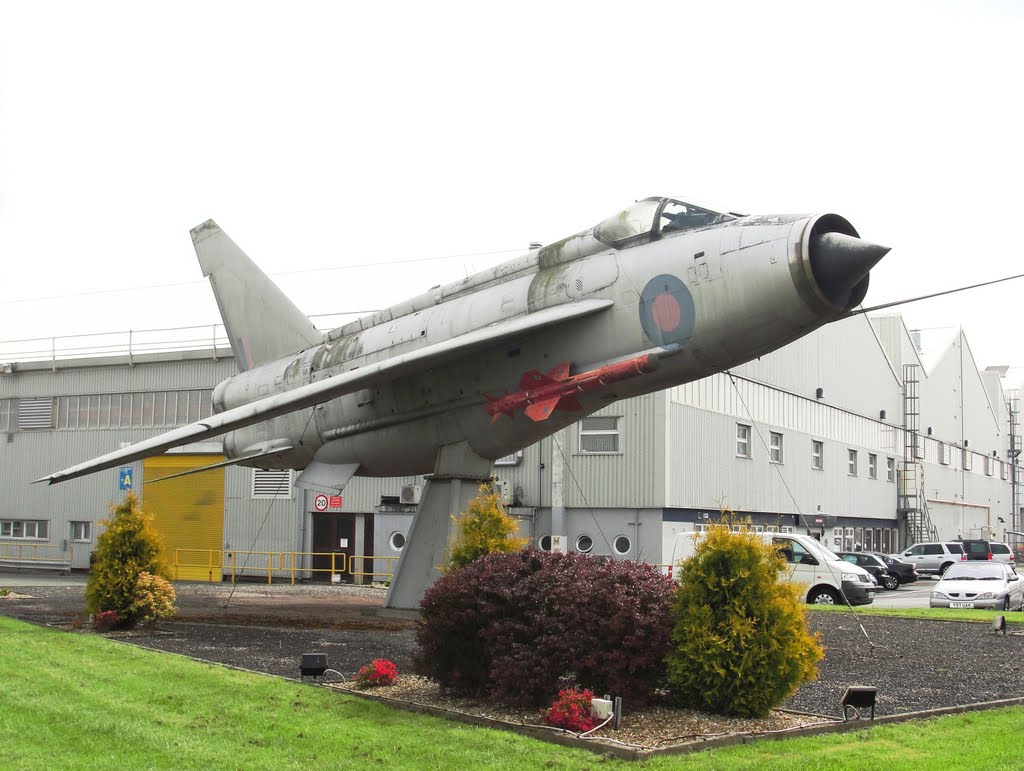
(329, 388)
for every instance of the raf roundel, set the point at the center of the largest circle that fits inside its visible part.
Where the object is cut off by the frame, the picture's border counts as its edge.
(666, 311)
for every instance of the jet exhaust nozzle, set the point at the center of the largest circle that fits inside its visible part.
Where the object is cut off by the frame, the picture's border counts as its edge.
(841, 265)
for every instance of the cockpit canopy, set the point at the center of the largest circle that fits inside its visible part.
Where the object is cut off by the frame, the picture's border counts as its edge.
(653, 218)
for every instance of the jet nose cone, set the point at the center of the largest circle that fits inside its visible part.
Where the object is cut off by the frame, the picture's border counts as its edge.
(841, 263)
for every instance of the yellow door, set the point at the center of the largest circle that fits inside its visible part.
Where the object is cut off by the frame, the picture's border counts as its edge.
(188, 513)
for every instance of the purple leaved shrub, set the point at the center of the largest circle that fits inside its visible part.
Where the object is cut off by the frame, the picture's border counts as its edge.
(520, 627)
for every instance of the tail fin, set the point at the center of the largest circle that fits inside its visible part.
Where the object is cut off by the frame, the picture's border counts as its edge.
(262, 323)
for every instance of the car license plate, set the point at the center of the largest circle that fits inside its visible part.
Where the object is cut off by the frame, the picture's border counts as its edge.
(961, 604)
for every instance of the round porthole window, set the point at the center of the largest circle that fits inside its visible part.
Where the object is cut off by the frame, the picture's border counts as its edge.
(584, 544)
(622, 545)
(398, 541)
(545, 542)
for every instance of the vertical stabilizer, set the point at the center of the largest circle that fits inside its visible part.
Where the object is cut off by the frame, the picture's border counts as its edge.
(262, 323)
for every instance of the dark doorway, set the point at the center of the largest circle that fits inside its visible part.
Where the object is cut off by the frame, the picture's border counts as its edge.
(333, 534)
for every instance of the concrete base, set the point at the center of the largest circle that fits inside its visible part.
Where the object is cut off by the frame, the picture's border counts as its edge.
(458, 474)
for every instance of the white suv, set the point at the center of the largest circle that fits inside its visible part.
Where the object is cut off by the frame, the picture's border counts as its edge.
(933, 557)
(1002, 553)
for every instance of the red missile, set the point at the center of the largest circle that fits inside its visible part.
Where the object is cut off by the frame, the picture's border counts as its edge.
(540, 393)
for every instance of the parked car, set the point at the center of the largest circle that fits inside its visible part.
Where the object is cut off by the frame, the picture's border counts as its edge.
(977, 548)
(980, 549)
(902, 572)
(872, 564)
(987, 585)
(933, 557)
(1002, 553)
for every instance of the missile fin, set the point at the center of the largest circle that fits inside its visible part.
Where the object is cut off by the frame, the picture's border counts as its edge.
(542, 410)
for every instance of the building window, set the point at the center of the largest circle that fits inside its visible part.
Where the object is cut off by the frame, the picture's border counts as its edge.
(544, 543)
(890, 469)
(817, 455)
(851, 462)
(153, 409)
(919, 447)
(990, 464)
(584, 544)
(81, 531)
(397, 541)
(271, 483)
(775, 446)
(742, 440)
(37, 529)
(872, 466)
(599, 435)
(1003, 474)
(944, 455)
(5, 414)
(622, 544)
(968, 460)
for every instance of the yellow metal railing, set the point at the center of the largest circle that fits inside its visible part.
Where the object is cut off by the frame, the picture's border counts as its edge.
(35, 552)
(236, 563)
(372, 573)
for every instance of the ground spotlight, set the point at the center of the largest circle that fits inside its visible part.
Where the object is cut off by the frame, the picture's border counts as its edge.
(858, 697)
(313, 665)
(999, 624)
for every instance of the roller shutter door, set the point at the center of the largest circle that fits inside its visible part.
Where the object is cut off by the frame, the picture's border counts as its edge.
(188, 513)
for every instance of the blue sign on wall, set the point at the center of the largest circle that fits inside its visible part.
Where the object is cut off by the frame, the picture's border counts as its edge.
(125, 480)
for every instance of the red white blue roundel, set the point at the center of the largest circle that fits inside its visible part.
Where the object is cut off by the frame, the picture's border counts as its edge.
(666, 311)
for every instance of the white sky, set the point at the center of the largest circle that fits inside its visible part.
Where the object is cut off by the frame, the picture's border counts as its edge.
(324, 135)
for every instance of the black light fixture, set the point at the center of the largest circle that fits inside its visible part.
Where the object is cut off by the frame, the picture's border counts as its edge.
(819, 393)
(858, 697)
(929, 430)
(881, 414)
(313, 665)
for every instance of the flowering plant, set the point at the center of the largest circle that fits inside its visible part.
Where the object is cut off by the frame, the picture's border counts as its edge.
(104, 620)
(152, 599)
(378, 672)
(571, 711)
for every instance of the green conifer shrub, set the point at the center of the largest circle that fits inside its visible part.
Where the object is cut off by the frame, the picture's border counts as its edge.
(740, 644)
(483, 528)
(128, 547)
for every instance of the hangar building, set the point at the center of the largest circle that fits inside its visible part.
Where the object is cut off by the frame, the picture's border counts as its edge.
(849, 434)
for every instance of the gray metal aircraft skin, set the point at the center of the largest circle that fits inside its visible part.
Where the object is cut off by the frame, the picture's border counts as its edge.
(496, 359)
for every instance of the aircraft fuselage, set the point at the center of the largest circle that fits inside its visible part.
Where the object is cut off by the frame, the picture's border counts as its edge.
(699, 301)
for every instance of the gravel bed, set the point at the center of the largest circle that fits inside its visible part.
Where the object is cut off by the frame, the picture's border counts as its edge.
(651, 727)
(914, 664)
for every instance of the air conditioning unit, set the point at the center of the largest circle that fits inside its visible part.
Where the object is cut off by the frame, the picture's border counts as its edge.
(411, 494)
(503, 489)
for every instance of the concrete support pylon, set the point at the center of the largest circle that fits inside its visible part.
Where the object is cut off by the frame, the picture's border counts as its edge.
(458, 474)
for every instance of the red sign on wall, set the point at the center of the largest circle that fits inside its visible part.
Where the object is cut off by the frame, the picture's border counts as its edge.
(334, 502)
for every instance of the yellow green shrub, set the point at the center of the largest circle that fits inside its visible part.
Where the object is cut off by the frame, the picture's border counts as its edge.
(740, 644)
(129, 547)
(483, 528)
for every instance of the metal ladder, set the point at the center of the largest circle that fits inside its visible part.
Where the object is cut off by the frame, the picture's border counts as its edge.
(911, 504)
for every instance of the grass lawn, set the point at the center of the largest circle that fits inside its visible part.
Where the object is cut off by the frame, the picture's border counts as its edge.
(80, 701)
(937, 614)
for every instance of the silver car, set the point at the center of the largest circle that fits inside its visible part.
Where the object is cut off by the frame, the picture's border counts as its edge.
(985, 585)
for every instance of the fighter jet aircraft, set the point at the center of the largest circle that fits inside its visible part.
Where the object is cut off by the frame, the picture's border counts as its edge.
(662, 293)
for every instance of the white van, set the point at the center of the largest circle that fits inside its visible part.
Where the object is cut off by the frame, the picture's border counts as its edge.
(828, 579)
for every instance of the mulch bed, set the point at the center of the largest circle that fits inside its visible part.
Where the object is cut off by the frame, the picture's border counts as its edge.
(915, 664)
